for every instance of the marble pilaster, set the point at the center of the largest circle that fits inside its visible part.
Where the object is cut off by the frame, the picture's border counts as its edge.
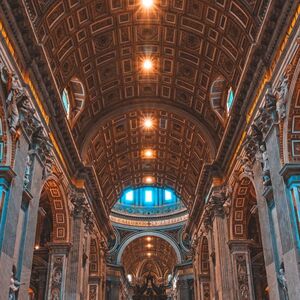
(242, 271)
(56, 278)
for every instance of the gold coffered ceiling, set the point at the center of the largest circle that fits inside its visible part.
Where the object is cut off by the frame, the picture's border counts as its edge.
(192, 44)
(149, 254)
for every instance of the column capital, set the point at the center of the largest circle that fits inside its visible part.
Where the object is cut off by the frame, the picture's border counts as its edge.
(218, 204)
(240, 245)
(79, 202)
(59, 247)
(290, 170)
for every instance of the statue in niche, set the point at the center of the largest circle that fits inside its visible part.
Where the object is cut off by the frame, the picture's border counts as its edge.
(14, 285)
(282, 92)
(28, 171)
(227, 203)
(11, 100)
(265, 165)
(282, 281)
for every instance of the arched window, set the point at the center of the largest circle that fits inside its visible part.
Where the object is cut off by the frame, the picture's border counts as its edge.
(153, 196)
(66, 102)
(230, 98)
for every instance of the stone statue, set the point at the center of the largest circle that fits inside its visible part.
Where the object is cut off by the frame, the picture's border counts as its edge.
(227, 203)
(282, 92)
(28, 171)
(14, 285)
(246, 166)
(13, 91)
(283, 282)
(266, 166)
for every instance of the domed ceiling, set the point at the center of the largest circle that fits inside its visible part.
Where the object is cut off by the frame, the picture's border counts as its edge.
(198, 50)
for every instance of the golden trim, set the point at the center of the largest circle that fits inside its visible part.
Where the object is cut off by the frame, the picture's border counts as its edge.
(28, 81)
(267, 77)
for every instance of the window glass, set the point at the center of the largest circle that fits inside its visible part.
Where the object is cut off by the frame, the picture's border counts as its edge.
(129, 196)
(168, 195)
(66, 102)
(230, 99)
(148, 196)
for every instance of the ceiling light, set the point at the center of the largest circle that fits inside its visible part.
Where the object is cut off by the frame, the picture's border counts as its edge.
(148, 153)
(148, 123)
(148, 238)
(147, 64)
(149, 245)
(149, 254)
(149, 179)
(147, 3)
(37, 247)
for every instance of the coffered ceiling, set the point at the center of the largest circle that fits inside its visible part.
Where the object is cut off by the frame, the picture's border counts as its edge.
(180, 151)
(192, 44)
(147, 254)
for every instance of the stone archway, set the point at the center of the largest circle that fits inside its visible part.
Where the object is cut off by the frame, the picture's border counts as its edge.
(246, 244)
(51, 242)
(149, 233)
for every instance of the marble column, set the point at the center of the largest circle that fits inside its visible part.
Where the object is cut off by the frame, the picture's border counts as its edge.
(42, 283)
(93, 288)
(32, 192)
(212, 259)
(242, 271)
(267, 234)
(102, 286)
(56, 278)
(204, 283)
(10, 215)
(266, 132)
(114, 291)
(75, 260)
(291, 175)
(196, 276)
(289, 245)
(215, 214)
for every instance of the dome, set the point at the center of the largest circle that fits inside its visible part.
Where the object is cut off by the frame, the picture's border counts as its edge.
(149, 206)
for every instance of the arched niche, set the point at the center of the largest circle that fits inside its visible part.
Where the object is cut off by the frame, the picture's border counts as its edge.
(221, 98)
(73, 98)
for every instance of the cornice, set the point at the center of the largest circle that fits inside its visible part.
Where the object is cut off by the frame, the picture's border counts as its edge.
(280, 14)
(32, 59)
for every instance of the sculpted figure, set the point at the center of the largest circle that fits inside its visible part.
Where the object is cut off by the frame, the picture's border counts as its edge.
(13, 91)
(283, 282)
(266, 166)
(282, 95)
(14, 285)
(247, 166)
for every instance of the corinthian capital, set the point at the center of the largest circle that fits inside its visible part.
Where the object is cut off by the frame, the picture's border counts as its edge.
(218, 202)
(78, 200)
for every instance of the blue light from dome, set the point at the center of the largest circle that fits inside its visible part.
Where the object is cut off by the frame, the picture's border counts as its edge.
(168, 195)
(148, 196)
(129, 195)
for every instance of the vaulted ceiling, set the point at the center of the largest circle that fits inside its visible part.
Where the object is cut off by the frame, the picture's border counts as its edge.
(180, 150)
(149, 254)
(192, 44)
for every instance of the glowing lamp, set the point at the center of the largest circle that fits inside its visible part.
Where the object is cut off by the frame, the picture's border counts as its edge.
(148, 123)
(147, 3)
(147, 64)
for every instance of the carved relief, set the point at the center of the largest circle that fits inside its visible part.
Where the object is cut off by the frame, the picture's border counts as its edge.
(92, 292)
(56, 292)
(242, 276)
